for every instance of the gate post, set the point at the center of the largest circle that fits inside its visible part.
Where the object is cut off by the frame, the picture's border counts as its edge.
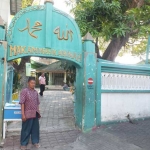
(3, 47)
(89, 84)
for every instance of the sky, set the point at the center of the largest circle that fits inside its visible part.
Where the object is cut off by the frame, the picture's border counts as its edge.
(128, 59)
(60, 4)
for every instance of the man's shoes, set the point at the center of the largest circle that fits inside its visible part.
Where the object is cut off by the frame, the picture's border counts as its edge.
(40, 94)
(23, 147)
(37, 145)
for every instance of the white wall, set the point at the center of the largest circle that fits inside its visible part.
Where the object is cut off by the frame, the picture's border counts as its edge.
(116, 106)
(5, 10)
(116, 81)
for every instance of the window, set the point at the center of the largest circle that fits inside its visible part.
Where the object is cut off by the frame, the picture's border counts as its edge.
(15, 6)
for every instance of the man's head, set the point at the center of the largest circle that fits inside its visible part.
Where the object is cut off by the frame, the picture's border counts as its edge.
(31, 82)
(42, 74)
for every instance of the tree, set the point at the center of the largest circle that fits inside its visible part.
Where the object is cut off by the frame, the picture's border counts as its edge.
(117, 21)
(21, 73)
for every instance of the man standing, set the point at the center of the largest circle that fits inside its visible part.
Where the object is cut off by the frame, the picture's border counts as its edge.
(42, 83)
(30, 115)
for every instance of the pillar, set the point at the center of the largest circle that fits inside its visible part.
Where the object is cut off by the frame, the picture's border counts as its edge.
(3, 66)
(89, 83)
(147, 50)
(49, 28)
(65, 76)
(50, 78)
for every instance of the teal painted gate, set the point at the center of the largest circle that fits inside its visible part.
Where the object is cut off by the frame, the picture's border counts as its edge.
(44, 31)
(2, 81)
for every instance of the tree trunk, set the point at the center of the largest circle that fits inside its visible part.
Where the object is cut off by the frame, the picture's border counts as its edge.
(22, 72)
(21, 69)
(114, 47)
(97, 48)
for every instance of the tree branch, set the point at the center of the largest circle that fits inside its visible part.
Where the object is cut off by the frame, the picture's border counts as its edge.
(128, 3)
(131, 42)
(140, 3)
(134, 32)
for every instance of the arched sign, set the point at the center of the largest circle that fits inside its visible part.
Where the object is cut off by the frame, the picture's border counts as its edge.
(44, 31)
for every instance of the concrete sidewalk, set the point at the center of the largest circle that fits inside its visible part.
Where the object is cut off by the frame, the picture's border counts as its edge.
(58, 131)
(123, 136)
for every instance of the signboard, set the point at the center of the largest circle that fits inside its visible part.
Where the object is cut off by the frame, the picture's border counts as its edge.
(44, 31)
(90, 81)
(28, 69)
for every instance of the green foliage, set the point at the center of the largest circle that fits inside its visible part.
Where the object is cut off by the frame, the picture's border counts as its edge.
(113, 18)
(136, 47)
(139, 48)
(16, 82)
(26, 3)
(17, 61)
(71, 71)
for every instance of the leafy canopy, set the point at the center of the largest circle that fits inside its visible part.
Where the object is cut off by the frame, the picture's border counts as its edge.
(112, 18)
(26, 3)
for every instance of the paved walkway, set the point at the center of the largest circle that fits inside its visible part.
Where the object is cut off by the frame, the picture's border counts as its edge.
(59, 133)
(57, 125)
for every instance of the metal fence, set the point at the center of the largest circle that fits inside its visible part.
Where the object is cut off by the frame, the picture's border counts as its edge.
(9, 84)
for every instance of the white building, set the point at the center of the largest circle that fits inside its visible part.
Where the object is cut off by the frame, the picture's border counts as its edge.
(5, 10)
(8, 8)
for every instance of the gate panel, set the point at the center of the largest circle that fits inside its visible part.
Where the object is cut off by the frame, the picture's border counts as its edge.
(9, 85)
(2, 81)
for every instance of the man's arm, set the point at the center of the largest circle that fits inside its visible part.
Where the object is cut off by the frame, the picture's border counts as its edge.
(23, 114)
(22, 103)
(40, 80)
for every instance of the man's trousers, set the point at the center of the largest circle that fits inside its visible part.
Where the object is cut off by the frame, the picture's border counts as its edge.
(30, 127)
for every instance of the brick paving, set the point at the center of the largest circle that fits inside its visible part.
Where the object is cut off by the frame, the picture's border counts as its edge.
(57, 127)
(58, 131)
(57, 111)
(48, 140)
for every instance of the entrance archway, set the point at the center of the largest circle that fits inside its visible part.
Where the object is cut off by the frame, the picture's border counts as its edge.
(44, 31)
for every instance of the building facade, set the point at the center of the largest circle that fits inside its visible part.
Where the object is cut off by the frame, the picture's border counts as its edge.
(5, 10)
(56, 74)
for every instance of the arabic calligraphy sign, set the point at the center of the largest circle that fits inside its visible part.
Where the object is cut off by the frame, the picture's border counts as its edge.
(44, 32)
(34, 28)
(65, 36)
